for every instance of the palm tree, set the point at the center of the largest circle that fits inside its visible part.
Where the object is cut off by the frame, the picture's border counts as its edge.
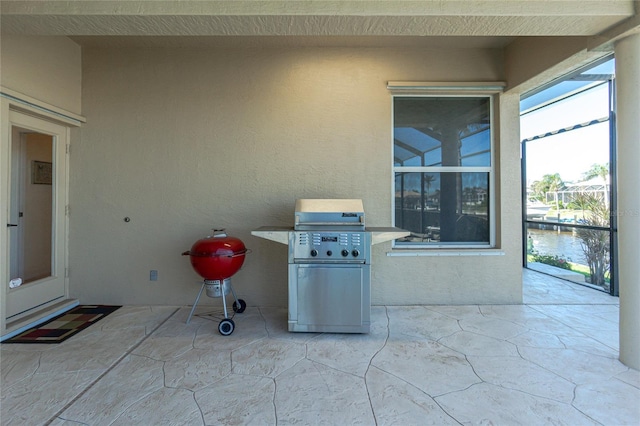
(597, 170)
(549, 183)
(552, 183)
(428, 179)
(601, 171)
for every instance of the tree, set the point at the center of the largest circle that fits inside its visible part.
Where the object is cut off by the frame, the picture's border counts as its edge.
(597, 170)
(537, 190)
(428, 179)
(601, 171)
(549, 183)
(595, 243)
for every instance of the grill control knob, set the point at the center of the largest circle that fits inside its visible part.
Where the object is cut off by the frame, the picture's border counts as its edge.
(355, 253)
(329, 252)
(314, 253)
(345, 253)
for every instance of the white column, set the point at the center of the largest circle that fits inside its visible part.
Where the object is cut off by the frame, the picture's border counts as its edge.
(627, 56)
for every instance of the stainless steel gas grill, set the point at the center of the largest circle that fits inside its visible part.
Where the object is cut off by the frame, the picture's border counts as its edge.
(329, 265)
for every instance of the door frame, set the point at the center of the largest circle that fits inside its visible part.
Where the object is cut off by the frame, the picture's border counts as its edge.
(8, 104)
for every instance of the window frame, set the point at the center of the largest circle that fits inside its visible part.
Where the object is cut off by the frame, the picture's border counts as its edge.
(491, 170)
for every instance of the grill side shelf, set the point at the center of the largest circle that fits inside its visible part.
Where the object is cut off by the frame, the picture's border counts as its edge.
(383, 234)
(279, 234)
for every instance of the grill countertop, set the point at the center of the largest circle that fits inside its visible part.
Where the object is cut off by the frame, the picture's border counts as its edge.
(280, 234)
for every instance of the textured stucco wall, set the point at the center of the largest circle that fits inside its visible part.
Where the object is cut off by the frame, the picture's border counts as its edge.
(48, 69)
(534, 61)
(183, 140)
(452, 279)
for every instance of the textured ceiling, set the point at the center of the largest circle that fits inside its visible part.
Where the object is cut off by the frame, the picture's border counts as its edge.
(240, 42)
(361, 23)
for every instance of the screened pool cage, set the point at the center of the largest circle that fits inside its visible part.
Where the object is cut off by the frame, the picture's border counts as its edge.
(569, 175)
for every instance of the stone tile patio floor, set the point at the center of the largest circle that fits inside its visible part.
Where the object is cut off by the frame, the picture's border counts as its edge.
(552, 360)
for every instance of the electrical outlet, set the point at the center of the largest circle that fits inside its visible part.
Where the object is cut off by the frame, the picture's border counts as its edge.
(153, 275)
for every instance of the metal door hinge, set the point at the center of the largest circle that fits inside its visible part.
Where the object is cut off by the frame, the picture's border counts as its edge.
(67, 210)
(68, 149)
(67, 272)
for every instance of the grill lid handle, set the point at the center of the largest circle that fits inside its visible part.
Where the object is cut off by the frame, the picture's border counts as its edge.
(209, 254)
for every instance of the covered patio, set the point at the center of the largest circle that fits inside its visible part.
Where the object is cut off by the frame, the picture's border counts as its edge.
(551, 360)
(166, 119)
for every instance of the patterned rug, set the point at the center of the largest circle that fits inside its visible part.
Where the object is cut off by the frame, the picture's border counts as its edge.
(63, 326)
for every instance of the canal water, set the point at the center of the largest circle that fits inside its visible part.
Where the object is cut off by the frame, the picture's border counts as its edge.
(563, 244)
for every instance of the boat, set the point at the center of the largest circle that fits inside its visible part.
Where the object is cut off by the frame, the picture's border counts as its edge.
(537, 209)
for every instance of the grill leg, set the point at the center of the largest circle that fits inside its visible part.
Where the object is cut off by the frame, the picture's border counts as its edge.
(196, 302)
(224, 301)
(235, 298)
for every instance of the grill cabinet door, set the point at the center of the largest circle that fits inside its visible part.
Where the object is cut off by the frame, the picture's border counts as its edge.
(330, 295)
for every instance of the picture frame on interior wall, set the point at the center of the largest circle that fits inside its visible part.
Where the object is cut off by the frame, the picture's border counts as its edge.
(41, 173)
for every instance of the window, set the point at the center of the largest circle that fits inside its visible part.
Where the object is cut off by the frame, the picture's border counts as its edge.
(443, 167)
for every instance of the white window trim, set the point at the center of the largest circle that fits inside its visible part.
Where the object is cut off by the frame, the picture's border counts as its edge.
(451, 90)
(444, 253)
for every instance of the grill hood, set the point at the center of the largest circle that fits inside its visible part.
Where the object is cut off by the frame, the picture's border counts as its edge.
(313, 214)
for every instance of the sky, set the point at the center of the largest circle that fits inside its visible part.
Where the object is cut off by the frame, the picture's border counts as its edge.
(570, 153)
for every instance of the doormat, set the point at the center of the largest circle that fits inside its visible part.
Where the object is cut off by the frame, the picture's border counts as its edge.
(65, 325)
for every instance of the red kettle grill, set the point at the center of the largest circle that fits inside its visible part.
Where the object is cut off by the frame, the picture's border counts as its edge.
(216, 258)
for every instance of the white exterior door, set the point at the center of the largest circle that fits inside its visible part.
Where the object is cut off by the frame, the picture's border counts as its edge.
(36, 258)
